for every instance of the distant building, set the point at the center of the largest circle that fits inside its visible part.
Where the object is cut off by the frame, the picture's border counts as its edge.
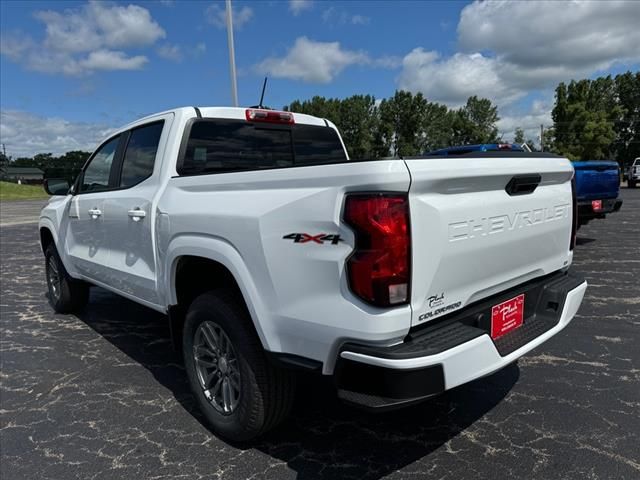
(22, 174)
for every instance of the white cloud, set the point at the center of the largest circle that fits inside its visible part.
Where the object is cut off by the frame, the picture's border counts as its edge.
(298, 6)
(387, 61)
(81, 40)
(452, 80)
(15, 46)
(310, 61)
(216, 15)
(99, 25)
(25, 134)
(199, 50)
(360, 20)
(540, 114)
(112, 60)
(577, 34)
(177, 53)
(170, 52)
(130, 26)
(339, 16)
(319, 62)
(526, 46)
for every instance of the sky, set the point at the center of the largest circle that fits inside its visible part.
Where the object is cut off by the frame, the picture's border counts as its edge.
(71, 72)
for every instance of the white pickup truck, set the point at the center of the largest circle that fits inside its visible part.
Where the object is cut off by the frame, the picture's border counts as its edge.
(272, 252)
(633, 174)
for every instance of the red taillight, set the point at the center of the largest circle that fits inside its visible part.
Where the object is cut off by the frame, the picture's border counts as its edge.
(596, 205)
(574, 218)
(269, 116)
(379, 268)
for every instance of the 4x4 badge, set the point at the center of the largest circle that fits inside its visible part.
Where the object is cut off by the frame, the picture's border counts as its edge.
(319, 238)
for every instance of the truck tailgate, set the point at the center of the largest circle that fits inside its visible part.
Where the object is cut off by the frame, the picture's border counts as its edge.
(472, 239)
(597, 180)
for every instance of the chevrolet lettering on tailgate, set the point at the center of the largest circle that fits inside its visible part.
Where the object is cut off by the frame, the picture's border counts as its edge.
(503, 223)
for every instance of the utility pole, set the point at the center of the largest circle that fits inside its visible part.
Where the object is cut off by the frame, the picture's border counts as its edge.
(232, 55)
(541, 137)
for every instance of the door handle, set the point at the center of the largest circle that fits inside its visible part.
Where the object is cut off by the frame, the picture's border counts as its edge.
(137, 214)
(95, 213)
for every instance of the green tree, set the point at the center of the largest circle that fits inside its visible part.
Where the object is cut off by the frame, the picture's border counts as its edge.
(584, 118)
(356, 118)
(328, 108)
(66, 166)
(476, 122)
(404, 124)
(402, 119)
(519, 136)
(4, 162)
(627, 86)
(437, 126)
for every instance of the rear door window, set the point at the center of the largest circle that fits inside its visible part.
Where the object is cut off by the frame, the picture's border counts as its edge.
(140, 155)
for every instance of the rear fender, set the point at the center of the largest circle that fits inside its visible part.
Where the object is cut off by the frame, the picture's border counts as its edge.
(221, 251)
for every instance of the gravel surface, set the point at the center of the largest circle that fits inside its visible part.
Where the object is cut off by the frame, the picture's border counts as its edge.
(101, 395)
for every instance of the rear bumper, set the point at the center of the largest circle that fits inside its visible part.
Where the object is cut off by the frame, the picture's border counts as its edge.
(586, 212)
(457, 349)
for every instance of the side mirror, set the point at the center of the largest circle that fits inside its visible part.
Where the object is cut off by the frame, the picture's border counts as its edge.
(56, 186)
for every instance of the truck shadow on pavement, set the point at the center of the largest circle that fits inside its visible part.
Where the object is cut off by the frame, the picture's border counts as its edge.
(323, 437)
(584, 240)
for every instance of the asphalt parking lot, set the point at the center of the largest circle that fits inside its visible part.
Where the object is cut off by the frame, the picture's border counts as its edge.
(102, 395)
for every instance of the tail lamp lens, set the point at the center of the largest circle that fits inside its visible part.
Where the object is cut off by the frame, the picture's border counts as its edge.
(379, 268)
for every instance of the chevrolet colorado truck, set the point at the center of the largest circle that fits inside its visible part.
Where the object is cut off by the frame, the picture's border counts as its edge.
(597, 189)
(270, 252)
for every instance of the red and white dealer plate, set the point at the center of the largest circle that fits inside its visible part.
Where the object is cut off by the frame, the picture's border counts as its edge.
(507, 316)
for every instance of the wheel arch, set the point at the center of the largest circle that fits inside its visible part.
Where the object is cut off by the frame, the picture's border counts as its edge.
(196, 264)
(48, 233)
(46, 238)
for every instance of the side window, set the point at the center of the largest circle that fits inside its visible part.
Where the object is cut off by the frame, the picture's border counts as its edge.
(96, 175)
(140, 155)
(315, 145)
(232, 146)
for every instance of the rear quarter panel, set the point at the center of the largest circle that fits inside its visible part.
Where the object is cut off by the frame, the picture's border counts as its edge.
(297, 291)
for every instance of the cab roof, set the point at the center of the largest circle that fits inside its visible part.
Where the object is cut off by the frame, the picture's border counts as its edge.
(234, 113)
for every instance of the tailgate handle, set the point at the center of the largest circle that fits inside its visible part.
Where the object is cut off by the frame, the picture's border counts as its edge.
(523, 184)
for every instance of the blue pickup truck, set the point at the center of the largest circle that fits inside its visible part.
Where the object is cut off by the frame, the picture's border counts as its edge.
(597, 181)
(597, 189)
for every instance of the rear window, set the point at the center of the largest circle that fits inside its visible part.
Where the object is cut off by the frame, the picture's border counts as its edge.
(218, 146)
(316, 145)
(140, 155)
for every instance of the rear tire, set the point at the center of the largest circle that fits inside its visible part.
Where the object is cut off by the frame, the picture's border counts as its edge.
(66, 295)
(238, 390)
(631, 184)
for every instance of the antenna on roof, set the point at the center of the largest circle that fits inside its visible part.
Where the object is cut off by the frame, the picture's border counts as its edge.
(264, 86)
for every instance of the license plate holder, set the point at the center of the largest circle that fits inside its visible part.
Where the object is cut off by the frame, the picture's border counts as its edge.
(507, 316)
